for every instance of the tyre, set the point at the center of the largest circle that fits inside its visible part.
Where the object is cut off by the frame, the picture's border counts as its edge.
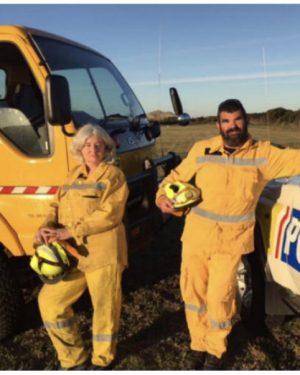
(10, 299)
(253, 302)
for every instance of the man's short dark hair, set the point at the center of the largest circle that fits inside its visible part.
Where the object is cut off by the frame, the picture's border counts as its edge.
(232, 105)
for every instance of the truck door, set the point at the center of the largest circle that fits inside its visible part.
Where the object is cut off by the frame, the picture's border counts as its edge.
(32, 153)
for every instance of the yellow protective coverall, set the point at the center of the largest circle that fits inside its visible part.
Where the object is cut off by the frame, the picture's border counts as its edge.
(221, 228)
(92, 208)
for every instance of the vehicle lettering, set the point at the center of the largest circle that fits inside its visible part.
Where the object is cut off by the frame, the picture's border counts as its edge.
(288, 238)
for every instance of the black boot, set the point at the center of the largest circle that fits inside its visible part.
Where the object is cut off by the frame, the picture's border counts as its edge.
(212, 362)
(195, 360)
(99, 368)
(82, 367)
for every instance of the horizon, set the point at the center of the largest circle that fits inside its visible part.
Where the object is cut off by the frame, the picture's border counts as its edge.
(208, 52)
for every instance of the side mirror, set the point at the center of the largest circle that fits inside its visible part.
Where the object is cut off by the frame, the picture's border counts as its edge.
(57, 100)
(183, 118)
(3, 89)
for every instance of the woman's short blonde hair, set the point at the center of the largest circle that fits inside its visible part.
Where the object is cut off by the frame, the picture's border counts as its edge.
(87, 131)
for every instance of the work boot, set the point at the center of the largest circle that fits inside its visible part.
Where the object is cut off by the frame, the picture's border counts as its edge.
(212, 362)
(109, 367)
(82, 367)
(195, 360)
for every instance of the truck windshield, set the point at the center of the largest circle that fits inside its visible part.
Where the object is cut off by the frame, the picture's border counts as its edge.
(99, 94)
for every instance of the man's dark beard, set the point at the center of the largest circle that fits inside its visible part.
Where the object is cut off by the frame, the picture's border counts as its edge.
(237, 139)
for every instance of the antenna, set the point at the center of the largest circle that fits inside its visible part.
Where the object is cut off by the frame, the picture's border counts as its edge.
(159, 80)
(266, 90)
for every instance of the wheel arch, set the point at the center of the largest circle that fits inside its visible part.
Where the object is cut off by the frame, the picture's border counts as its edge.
(9, 238)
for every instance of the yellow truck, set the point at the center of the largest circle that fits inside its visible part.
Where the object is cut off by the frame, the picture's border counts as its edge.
(49, 86)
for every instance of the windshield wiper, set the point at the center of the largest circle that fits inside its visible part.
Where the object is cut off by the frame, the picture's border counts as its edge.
(115, 116)
(136, 123)
(112, 117)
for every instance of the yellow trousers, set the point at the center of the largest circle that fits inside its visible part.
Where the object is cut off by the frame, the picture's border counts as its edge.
(208, 286)
(55, 302)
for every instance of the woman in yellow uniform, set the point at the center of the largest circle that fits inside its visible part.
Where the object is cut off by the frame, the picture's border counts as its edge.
(88, 211)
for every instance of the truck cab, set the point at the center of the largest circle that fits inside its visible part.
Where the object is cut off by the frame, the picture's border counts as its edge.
(49, 87)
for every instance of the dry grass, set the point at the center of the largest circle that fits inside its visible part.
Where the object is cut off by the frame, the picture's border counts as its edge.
(180, 139)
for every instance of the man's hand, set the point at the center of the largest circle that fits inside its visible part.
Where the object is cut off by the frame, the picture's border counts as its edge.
(166, 205)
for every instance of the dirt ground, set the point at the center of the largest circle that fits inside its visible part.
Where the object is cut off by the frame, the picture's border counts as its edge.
(153, 334)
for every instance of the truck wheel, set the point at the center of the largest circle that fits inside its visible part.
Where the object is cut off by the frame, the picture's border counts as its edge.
(253, 302)
(10, 299)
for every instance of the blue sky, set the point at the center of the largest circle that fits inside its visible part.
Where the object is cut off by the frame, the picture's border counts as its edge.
(209, 52)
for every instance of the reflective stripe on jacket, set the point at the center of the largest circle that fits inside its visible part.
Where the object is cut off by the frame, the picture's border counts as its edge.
(231, 185)
(92, 208)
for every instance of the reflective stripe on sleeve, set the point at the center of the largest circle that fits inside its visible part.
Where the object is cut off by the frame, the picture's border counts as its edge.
(224, 218)
(216, 159)
(220, 325)
(97, 186)
(194, 308)
(59, 325)
(105, 338)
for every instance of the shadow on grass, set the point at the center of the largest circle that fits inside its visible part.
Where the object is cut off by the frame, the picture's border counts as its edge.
(160, 258)
(271, 349)
(166, 326)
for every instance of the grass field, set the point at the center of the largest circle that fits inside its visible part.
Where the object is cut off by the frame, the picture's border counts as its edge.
(180, 139)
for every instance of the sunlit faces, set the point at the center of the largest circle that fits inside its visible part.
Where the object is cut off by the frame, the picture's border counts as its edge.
(233, 128)
(93, 151)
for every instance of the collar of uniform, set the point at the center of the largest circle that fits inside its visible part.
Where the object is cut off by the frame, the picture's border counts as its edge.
(218, 145)
(95, 175)
(250, 143)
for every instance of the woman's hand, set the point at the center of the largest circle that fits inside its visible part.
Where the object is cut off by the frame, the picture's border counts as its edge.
(62, 234)
(47, 235)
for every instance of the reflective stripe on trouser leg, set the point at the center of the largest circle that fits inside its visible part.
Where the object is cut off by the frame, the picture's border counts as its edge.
(105, 289)
(55, 306)
(193, 285)
(221, 300)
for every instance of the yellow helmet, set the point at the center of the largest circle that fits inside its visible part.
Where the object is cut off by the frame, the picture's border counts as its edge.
(182, 194)
(50, 262)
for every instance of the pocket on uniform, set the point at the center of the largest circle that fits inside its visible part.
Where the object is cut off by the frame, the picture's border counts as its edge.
(90, 199)
(90, 193)
(245, 181)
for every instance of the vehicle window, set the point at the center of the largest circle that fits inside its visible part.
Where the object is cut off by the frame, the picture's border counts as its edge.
(111, 92)
(2, 86)
(95, 94)
(97, 88)
(22, 119)
(84, 102)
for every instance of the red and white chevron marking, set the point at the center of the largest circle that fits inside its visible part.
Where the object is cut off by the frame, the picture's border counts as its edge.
(41, 190)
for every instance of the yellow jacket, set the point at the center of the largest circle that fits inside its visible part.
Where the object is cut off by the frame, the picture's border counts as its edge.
(92, 208)
(231, 185)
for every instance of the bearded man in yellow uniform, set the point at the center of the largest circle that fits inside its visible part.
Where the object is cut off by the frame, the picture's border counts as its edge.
(231, 170)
